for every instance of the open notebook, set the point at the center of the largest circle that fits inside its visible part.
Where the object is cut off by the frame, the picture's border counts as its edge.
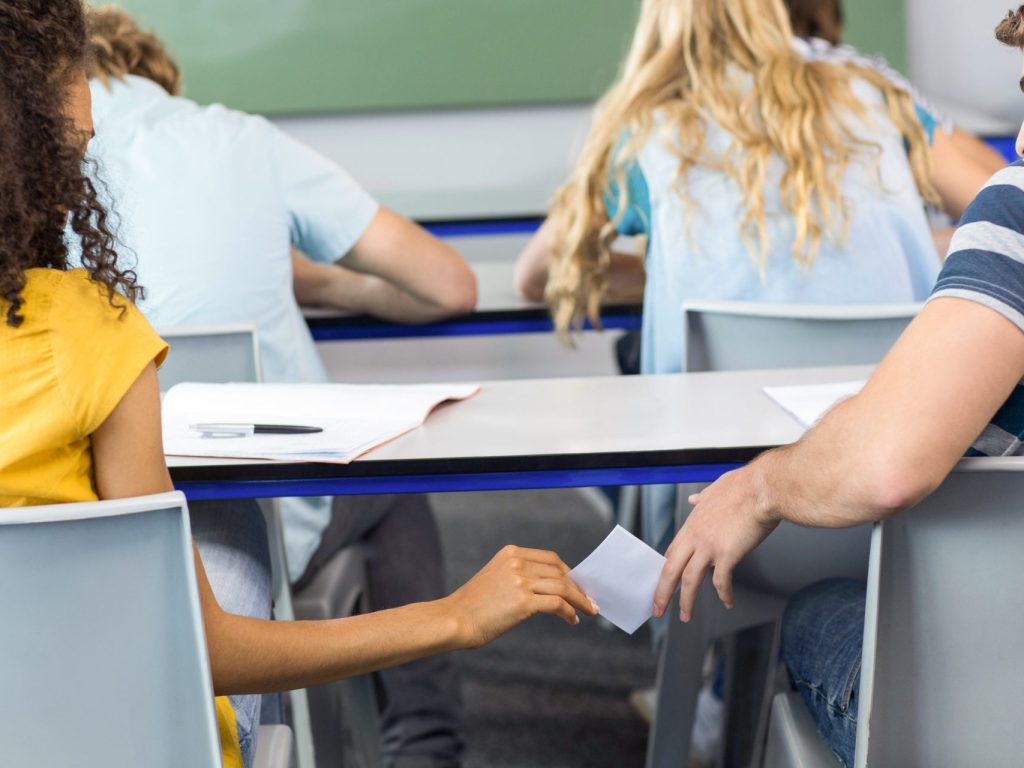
(355, 418)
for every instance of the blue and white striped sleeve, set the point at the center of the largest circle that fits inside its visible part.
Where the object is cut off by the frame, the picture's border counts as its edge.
(986, 256)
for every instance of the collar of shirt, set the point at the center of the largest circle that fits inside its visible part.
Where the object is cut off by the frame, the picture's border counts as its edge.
(123, 97)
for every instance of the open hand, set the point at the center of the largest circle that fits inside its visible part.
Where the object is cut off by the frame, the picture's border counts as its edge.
(729, 519)
(515, 585)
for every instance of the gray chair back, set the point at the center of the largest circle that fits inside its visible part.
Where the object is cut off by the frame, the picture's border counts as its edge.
(724, 336)
(942, 675)
(104, 653)
(738, 336)
(212, 355)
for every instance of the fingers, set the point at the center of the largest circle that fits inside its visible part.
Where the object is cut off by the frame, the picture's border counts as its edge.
(541, 571)
(676, 558)
(722, 579)
(693, 576)
(556, 606)
(569, 592)
(541, 556)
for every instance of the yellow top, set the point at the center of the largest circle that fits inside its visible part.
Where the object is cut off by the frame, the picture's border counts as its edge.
(64, 370)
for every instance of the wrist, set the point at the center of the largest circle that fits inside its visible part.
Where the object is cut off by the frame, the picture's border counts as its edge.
(452, 631)
(767, 510)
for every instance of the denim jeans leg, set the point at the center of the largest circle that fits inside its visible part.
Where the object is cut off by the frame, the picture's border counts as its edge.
(232, 541)
(421, 706)
(822, 639)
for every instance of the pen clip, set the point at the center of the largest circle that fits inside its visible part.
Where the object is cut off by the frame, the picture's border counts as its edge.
(220, 431)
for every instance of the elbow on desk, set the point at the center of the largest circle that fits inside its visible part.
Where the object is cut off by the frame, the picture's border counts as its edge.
(460, 295)
(529, 285)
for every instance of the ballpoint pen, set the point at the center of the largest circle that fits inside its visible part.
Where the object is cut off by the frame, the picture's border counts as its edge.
(243, 430)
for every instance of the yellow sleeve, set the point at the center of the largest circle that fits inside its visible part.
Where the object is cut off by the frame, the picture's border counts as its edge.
(99, 350)
(227, 727)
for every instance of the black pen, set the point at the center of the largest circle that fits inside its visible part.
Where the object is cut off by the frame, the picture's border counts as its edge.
(244, 430)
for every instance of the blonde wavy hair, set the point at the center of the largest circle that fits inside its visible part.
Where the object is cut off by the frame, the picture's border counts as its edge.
(681, 73)
(118, 47)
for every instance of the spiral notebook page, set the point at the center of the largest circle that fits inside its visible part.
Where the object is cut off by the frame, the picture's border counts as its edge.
(355, 418)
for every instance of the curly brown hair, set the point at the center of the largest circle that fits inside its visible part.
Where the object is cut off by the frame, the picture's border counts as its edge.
(118, 47)
(44, 186)
(1011, 29)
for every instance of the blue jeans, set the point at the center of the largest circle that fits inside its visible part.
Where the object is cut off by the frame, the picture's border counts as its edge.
(232, 541)
(822, 639)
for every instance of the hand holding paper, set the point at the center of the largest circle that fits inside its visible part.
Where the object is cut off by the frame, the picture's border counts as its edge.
(621, 576)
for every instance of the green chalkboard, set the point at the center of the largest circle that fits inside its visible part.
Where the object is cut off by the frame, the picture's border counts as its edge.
(878, 26)
(306, 56)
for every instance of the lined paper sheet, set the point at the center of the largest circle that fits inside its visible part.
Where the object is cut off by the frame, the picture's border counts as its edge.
(355, 418)
(807, 403)
(621, 576)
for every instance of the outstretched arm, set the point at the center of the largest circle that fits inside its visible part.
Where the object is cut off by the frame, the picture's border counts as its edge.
(872, 456)
(251, 656)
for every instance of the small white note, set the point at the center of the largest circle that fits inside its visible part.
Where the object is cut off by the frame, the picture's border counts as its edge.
(807, 403)
(621, 576)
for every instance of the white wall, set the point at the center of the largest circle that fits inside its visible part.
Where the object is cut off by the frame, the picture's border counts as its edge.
(453, 163)
(955, 59)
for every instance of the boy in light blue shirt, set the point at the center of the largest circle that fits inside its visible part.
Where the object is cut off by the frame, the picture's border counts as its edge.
(212, 202)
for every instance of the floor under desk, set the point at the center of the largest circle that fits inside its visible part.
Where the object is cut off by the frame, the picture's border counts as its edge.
(546, 695)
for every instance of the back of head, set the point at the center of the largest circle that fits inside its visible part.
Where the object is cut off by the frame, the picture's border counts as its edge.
(43, 187)
(731, 64)
(822, 19)
(1011, 29)
(118, 47)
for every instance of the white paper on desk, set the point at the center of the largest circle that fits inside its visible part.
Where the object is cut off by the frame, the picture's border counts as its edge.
(621, 576)
(355, 418)
(807, 403)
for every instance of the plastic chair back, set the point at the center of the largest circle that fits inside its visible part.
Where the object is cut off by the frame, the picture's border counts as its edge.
(942, 676)
(104, 653)
(738, 336)
(214, 355)
(731, 336)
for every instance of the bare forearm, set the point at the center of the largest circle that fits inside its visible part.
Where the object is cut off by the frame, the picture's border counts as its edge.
(335, 286)
(252, 656)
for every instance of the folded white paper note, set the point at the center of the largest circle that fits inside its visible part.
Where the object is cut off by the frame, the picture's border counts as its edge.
(355, 418)
(807, 403)
(621, 576)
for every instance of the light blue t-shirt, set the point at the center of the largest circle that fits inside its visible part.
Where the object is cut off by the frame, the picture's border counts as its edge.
(210, 200)
(695, 252)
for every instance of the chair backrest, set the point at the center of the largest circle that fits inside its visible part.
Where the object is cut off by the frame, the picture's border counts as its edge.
(731, 336)
(213, 355)
(942, 675)
(104, 656)
(737, 336)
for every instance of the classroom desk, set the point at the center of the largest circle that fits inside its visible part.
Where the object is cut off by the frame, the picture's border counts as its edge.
(499, 311)
(555, 433)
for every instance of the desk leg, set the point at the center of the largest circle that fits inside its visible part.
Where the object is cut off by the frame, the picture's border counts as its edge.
(305, 756)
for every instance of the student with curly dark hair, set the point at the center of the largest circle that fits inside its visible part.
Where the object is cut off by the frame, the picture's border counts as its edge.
(81, 413)
(36, 131)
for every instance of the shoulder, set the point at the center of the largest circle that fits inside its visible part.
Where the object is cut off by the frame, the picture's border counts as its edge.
(1000, 203)
(82, 308)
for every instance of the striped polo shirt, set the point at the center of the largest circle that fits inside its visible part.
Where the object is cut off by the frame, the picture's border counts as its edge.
(986, 265)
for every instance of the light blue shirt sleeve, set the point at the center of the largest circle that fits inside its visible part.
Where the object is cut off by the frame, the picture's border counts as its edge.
(327, 208)
(637, 218)
(928, 122)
